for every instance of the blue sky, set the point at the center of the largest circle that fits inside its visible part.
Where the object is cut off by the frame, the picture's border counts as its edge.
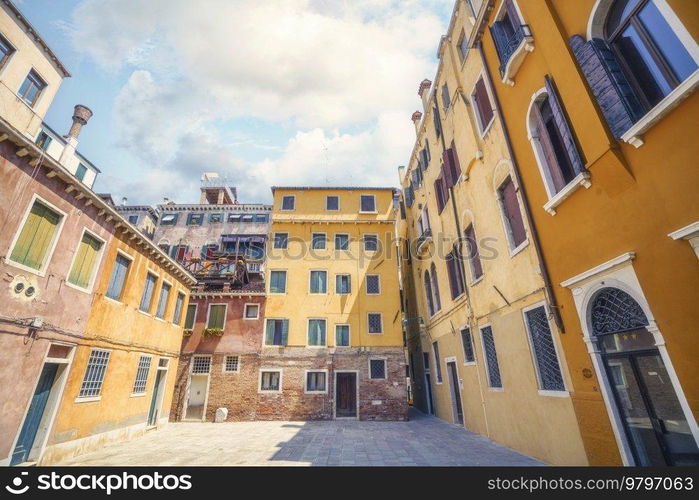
(282, 92)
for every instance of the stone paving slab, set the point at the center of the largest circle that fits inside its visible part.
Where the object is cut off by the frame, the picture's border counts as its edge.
(423, 440)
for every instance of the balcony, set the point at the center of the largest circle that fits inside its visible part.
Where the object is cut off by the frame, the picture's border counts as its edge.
(512, 50)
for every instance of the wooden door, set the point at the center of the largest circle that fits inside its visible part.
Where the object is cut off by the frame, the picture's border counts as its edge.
(346, 395)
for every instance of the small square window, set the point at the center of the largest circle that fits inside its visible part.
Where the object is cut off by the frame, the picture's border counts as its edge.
(277, 282)
(133, 219)
(318, 241)
(373, 284)
(232, 364)
(341, 242)
(288, 202)
(332, 203)
(31, 88)
(375, 323)
(234, 217)
(195, 219)
(43, 140)
(281, 240)
(80, 172)
(270, 381)
(316, 381)
(377, 369)
(252, 311)
(371, 243)
(343, 284)
(342, 335)
(215, 218)
(367, 203)
(168, 220)
(201, 364)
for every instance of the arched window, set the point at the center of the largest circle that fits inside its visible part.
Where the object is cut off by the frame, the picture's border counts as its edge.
(428, 293)
(435, 289)
(651, 54)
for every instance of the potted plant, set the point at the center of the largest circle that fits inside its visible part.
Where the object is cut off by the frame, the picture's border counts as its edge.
(187, 332)
(213, 332)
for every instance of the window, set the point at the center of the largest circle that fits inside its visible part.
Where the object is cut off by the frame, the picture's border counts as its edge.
(148, 289)
(94, 374)
(32, 247)
(343, 283)
(288, 202)
(455, 272)
(341, 242)
(426, 361)
(548, 369)
(377, 369)
(373, 284)
(437, 363)
(491, 357)
(507, 194)
(467, 343)
(231, 364)
(215, 218)
(80, 172)
(261, 217)
(169, 220)
(252, 311)
(446, 100)
(463, 46)
(43, 140)
(319, 282)
(277, 282)
(316, 381)
(367, 203)
(508, 33)
(651, 54)
(342, 335)
(177, 314)
(6, 51)
(435, 289)
(441, 192)
(190, 317)
(162, 301)
(371, 243)
(195, 219)
(481, 105)
(248, 218)
(270, 380)
(133, 219)
(85, 261)
(31, 88)
(201, 364)
(281, 240)
(208, 251)
(428, 294)
(318, 241)
(234, 217)
(276, 332)
(474, 257)
(118, 277)
(217, 316)
(437, 121)
(375, 322)
(332, 203)
(316, 332)
(139, 385)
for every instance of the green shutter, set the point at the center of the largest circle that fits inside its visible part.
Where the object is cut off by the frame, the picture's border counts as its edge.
(85, 261)
(285, 331)
(189, 319)
(36, 235)
(216, 319)
(269, 332)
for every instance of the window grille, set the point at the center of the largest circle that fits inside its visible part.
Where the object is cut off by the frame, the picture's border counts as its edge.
(139, 385)
(373, 286)
(375, 325)
(549, 370)
(94, 374)
(232, 363)
(201, 364)
(377, 368)
(491, 357)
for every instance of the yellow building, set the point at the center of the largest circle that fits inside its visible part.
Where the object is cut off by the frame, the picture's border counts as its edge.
(599, 100)
(490, 346)
(332, 346)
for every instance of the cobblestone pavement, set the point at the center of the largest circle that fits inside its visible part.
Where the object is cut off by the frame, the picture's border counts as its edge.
(423, 440)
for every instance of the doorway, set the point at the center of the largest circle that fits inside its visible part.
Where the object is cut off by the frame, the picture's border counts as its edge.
(457, 411)
(428, 386)
(196, 402)
(346, 394)
(156, 400)
(654, 422)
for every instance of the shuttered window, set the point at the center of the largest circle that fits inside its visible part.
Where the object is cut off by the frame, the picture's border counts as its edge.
(118, 277)
(162, 301)
(217, 316)
(36, 237)
(435, 289)
(367, 203)
(455, 272)
(513, 215)
(483, 107)
(148, 289)
(190, 317)
(570, 146)
(446, 100)
(85, 261)
(474, 257)
(316, 332)
(276, 331)
(451, 169)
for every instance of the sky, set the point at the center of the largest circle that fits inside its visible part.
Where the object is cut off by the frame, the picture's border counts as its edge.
(274, 92)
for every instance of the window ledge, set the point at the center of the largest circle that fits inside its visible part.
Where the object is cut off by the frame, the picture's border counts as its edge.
(519, 248)
(469, 363)
(516, 60)
(555, 394)
(582, 179)
(477, 280)
(137, 394)
(40, 273)
(633, 135)
(88, 400)
(78, 288)
(496, 389)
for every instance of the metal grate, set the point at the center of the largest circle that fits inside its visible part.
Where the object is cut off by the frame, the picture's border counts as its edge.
(371, 242)
(377, 368)
(466, 340)
(375, 325)
(201, 364)
(491, 357)
(94, 374)
(614, 311)
(373, 285)
(139, 385)
(549, 370)
(232, 363)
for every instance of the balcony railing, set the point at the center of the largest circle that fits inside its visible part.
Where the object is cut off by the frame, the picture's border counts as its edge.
(507, 49)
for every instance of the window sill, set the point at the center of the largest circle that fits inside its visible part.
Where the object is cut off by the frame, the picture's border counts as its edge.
(582, 179)
(633, 135)
(469, 363)
(251, 319)
(78, 288)
(374, 333)
(554, 394)
(477, 280)
(91, 399)
(40, 273)
(370, 212)
(269, 393)
(137, 394)
(115, 301)
(522, 246)
(231, 371)
(496, 389)
(315, 392)
(516, 60)
(145, 313)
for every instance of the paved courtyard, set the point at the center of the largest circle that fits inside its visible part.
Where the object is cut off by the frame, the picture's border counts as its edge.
(424, 440)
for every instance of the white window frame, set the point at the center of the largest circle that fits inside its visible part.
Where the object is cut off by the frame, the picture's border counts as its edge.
(375, 211)
(310, 274)
(483, 129)
(39, 97)
(145, 388)
(286, 282)
(350, 284)
(245, 311)
(225, 363)
(308, 332)
(182, 309)
(366, 284)
(98, 262)
(473, 345)
(274, 240)
(349, 330)
(364, 241)
(514, 250)
(191, 365)
(338, 203)
(51, 248)
(325, 240)
(349, 242)
(147, 312)
(160, 291)
(305, 381)
(89, 399)
(208, 313)
(281, 206)
(385, 367)
(367, 323)
(485, 359)
(267, 370)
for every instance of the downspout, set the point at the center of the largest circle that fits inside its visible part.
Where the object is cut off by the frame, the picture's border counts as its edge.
(548, 289)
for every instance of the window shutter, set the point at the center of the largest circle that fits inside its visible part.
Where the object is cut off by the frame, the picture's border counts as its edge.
(84, 262)
(435, 289)
(485, 109)
(285, 331)
(564, 128)
(439, 193)
(474, 255)
(35, 238)
(415, 181)
(541, 134)
(512, 13)
(269, 333)
(437, 121)
(513, 212)
(451, 167)
(615, 96)
(428, 293)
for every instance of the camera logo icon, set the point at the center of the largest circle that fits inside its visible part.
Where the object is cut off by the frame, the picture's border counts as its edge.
(16, 487)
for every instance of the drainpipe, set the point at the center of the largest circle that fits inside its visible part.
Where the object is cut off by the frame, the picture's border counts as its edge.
(548, 289)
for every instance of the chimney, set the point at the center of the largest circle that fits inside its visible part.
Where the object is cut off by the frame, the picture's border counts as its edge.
(417, 116)
(123, 201)
(81, 114)
(423, 92)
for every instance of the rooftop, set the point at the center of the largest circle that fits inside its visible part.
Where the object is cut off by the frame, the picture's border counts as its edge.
(333, 188)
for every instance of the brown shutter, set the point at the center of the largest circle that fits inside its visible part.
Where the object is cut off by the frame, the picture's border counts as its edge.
(550, 159)
(485, 109)
(513, 213)
(474, 255)
(512, 12)
(563, 126)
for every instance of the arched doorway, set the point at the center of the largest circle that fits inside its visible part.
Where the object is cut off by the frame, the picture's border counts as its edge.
(654, 422)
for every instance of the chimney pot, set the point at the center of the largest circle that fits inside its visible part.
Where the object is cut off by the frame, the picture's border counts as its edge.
(81, 115)
(417, 116)
(424, 85)
(123, 201)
